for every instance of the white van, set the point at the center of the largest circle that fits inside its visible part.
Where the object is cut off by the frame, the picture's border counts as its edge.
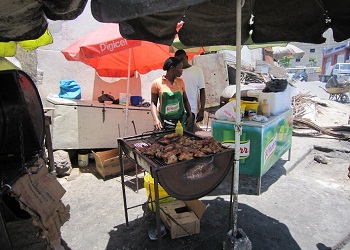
(341, 69)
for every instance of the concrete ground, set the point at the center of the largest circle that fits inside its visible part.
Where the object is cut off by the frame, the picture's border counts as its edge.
(303, 205)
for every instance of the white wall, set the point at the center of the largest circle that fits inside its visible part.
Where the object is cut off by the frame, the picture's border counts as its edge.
(251, 55)
(146, 83)
(214, 68)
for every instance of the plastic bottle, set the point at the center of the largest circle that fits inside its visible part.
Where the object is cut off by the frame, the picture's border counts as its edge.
(265, 108)
(179, 129)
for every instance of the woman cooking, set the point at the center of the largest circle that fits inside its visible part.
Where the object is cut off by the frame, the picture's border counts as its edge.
(170, 90)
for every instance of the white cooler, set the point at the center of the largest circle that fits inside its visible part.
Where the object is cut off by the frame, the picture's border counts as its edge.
(278, 101)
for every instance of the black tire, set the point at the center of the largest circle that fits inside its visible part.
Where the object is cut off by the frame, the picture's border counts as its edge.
(344, 98)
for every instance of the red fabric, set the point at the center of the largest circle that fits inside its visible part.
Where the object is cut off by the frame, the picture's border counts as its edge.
(113, 62)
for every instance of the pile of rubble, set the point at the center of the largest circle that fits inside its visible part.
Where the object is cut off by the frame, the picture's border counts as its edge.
(250, 75)
(303, 124)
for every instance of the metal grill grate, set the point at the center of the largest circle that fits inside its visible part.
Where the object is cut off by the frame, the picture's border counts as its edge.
(141, 141)
(10, 173)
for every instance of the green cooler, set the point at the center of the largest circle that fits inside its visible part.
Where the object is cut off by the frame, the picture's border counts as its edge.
(262, 144)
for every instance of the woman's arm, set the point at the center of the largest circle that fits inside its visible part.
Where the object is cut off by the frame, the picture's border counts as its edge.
(154, 111)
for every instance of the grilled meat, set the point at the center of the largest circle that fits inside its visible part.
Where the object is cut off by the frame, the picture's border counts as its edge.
(159, 154)
(198, 154)
(168, 148)
(150, 151)
(164, 141)
(173, 148)
(172, 136)
(184, 156)
(169, 158)
(206, 150)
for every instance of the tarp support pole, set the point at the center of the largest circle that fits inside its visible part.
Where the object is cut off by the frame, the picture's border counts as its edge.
(238, 115)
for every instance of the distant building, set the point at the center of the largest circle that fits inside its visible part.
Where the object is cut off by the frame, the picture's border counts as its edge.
(339, 53)
(324, 55)
(314, 51)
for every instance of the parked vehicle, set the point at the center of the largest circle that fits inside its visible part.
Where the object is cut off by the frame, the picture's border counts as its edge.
(341, 69)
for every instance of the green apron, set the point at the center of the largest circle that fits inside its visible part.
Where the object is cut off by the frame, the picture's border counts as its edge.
(172, 108)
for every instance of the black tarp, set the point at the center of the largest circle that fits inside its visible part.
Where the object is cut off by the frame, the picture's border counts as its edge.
(25, 20)
(213, 22)
(205, 22)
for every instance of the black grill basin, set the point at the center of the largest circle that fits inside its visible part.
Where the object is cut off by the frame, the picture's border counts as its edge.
(186, 180)
(21, 123)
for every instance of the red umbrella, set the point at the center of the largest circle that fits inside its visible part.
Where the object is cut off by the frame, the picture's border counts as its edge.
(108, 52)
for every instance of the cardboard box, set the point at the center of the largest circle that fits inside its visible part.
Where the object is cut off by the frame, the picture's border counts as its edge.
(107, 163)
(41, 191)
(182, 218)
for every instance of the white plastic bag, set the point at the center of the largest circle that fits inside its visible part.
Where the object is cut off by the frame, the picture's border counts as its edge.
(226, 112)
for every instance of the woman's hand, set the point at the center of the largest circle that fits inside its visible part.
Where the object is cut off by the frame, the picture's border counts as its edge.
(157, 124)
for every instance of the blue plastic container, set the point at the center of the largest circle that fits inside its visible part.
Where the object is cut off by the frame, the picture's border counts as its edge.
(136, 100)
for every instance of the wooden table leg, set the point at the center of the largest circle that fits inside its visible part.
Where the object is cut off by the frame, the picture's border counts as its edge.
(48, 143)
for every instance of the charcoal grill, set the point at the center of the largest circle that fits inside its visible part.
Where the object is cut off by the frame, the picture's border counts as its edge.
(21, 124)
(21, 135)
(186, 180)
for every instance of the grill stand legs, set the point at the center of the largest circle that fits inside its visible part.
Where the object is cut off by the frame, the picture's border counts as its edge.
(159, 232)
(121, 162)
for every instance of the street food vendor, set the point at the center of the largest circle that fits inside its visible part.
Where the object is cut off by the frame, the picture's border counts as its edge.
(171, 93)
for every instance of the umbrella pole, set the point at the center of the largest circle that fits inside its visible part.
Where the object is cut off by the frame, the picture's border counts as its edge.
(127, 96)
